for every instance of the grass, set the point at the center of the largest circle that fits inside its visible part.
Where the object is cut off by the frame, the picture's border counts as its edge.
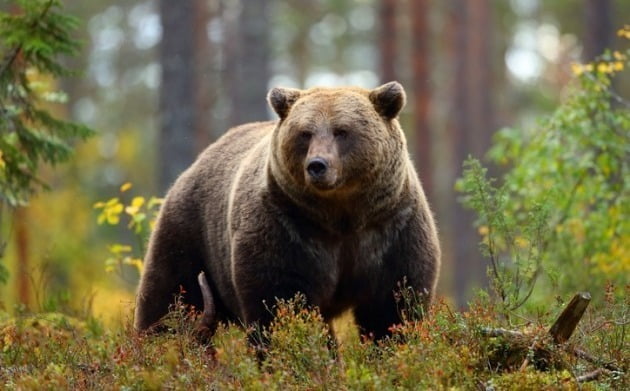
(447, 350)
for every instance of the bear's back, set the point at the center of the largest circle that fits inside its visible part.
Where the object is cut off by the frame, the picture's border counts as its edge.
(201, 195)
(215, 167)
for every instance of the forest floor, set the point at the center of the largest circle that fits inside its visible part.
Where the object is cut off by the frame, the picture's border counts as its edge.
(447, 350)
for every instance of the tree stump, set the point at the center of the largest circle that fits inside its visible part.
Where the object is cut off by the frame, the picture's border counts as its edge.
(566, 323)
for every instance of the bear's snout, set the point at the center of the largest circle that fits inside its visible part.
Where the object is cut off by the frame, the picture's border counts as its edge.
(317, 167)
(321, 173)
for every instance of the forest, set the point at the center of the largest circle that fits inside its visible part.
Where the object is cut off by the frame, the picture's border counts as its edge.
(517, 121)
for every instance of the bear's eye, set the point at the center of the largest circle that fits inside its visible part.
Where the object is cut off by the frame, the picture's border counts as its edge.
(305, 135)
(340, 133)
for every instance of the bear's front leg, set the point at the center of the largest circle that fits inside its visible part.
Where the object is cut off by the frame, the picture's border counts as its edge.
(264, 271)
(375, 318)
(411, 262)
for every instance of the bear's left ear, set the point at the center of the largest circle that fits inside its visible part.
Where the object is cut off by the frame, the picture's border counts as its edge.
(388, 99)
(281, 100)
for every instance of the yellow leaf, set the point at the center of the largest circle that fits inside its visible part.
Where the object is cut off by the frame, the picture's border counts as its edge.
(119, 248)
(112, 201)
(125, 186)
(8, 339)
(131, 210)
(112, 212)
(135, 206)
(137, 202)
(521, 242)
(135, 262)
(577, 69)
(602, 68)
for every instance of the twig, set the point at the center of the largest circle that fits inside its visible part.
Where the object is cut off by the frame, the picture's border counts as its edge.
(579, 353)
(590, 376)
(491, 332)
(526, 361)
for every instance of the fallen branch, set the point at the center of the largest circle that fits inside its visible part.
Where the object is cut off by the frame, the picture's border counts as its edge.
(594, 375)
(560, 332)
(579, 353)
(491, 332)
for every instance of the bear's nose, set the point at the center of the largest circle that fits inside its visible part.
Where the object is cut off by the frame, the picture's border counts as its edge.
(317, 167)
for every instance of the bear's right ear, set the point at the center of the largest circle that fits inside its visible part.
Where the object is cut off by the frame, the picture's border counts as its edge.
(281, 100)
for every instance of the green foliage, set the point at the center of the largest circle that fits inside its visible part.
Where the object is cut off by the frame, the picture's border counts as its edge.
(32, 40)
(515, 246)
(562, 206)
(447, 350)
(31, 43)
(141, 215)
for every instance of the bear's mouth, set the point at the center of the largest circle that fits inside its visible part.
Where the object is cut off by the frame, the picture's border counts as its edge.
(322, 184)
(325, 183)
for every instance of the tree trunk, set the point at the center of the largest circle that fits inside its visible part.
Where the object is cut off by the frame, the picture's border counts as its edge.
(479, 79)
(422, 92)
(184, 93)
(250, 63)
(388, 43)
(469, 130)
(23, 260)
(598, 23)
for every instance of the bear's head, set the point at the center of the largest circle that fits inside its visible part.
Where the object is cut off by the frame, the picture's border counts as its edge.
(332, 142)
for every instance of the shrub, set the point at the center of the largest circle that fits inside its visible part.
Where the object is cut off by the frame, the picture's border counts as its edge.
(561, 208)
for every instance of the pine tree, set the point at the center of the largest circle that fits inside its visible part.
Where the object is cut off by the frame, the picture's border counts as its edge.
(34, 37)
(32, 42)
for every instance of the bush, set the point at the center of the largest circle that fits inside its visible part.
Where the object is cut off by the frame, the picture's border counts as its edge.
(561, 209)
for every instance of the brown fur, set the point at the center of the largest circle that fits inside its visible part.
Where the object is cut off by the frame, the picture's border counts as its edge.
(250, 216)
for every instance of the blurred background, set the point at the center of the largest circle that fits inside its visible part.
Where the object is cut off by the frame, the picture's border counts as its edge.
(162, 79)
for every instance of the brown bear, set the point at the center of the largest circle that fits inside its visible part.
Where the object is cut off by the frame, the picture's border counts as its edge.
(325, 202)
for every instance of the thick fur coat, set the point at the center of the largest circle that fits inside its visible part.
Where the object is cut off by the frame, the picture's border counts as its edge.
(325, 202)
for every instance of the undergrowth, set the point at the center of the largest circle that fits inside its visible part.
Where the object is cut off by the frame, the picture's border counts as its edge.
(448, 349)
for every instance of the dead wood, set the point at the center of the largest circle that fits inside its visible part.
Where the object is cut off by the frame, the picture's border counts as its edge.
(566, 323)
(593, 375)
(520, 343)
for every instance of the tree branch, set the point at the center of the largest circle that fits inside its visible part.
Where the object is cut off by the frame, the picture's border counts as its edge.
(16, 51)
